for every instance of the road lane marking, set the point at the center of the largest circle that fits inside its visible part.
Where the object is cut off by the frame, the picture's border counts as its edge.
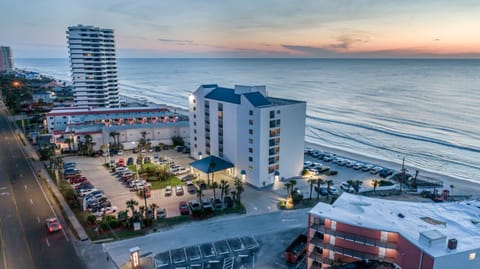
(4, 255)
(4, 193)
(31, 201)
(38, 219)
(25, 186)
(48, 243)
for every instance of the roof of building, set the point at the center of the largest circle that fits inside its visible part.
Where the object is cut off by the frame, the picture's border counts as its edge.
(97, 111)
(410, 219)
(257, 99)
(205, 164)
(224, 95)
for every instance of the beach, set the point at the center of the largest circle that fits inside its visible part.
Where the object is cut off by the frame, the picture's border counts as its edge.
(460, 187)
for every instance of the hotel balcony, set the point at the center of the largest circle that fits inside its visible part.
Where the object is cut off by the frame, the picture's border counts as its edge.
(355, 238)
(353, 253)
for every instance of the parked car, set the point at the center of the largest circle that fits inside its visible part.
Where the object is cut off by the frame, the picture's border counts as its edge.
(130, 161)
(367, 167)
(194, 205)
(386, 172)
(161, 213)
(322, 190)
(333, 191)
(216, 203)
(228, 201)
(168, 190)
(179, 190)
(188, 177)
(376, 170)
(53, 225)
(183, 207)
(120, 152)
(358, 165)
(190, 187)
(206, 205)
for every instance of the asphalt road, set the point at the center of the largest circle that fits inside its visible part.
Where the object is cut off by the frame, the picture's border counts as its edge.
(24, 240)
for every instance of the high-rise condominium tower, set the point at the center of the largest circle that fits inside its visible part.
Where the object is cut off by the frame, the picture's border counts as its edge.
(94, 66)
(6, 59)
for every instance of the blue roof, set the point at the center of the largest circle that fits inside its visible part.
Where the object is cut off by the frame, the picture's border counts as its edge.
(257, 99)
(224, 95)
(206, 164)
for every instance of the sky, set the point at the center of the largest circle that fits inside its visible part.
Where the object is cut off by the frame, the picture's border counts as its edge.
(250, 28)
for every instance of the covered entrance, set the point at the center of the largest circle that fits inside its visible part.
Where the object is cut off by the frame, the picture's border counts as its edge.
(207, 167)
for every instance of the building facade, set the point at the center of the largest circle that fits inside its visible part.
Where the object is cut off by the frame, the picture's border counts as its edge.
(407, 234)
(123, 125)
(94, 66)
(6, 60)
(262, 136)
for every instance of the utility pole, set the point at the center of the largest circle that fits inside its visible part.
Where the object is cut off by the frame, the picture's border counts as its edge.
(402, 176)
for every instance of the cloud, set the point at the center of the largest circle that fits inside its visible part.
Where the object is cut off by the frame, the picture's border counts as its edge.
(347, 41)
(174, 40)
(436, 39)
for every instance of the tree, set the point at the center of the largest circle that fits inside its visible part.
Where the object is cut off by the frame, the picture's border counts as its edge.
(143, 141)
(211, 169)
(69, 142)
(320, 182)
(311, 181)
(288, 188)
(223, 182)
(329, 183)
(131, 205)
(200, 196)
(214, 187)
(238, 188)
(89, 144)
(375, 184)
(154, 207)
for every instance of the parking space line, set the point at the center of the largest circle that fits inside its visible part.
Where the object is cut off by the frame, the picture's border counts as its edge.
(31, 201)
(48, 243)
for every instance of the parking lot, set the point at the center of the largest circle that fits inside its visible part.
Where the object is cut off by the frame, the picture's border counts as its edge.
(118, 193)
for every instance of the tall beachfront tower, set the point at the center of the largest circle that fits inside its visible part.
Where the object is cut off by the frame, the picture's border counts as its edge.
(6, 59)
(262, 136)
(94, 67)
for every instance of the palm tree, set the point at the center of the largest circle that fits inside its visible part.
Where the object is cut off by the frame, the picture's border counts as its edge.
(69, 142)
(320, 182)
(214, 186)
(375, 184)
(312, 181)
(199, 196)
(115, 135)
(211, 169)
(131, 205)
(222, 187)
(239, 188)
(288, 187)
(329, 183)
(154, 207)
(89, 144)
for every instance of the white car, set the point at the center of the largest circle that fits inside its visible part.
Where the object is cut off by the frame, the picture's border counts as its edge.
(168, 190)
(376, 170)
(120, 152)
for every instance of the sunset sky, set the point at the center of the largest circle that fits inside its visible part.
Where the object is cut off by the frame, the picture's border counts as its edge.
(250, 28)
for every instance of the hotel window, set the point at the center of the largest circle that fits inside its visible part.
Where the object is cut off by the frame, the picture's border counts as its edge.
(194, 116)
(272, 114)
(278, 111)
(195, 138)
(194, 131)
(250, 168)
(250, 112)
(250, 131)
(250, 150)
(250, 141)
(250, 122)
(250, 159)
(195, 145)
(220, 107)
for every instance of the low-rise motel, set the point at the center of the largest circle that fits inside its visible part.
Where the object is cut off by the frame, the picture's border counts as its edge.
(408, 234)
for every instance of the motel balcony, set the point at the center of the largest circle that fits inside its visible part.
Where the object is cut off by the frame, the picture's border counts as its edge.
(355, 237)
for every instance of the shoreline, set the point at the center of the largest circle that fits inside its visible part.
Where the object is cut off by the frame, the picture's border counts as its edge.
(460, 186)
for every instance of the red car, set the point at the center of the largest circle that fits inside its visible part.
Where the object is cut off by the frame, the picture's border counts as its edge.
(53, 225)
(78, 180)
(183, 207)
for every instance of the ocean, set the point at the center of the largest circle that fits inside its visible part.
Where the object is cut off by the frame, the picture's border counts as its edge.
(426, 110)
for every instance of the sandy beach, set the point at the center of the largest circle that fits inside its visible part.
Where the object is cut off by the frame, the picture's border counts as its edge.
(460, 187)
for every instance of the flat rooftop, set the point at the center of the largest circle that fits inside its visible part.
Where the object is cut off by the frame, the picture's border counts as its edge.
(409, 219)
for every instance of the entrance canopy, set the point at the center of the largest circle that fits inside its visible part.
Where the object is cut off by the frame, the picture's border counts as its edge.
(211, 164)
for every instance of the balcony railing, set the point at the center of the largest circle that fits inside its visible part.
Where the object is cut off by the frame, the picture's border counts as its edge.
(354, 253)
(357, 238)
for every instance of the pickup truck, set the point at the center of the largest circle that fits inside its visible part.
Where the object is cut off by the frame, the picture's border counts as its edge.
(296, 249)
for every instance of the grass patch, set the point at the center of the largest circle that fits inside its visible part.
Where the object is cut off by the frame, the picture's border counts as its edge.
(132, 168)
(157, 184)
(148, 165)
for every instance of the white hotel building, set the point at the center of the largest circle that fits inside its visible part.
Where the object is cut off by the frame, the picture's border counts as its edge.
(261, 136)
(93, 65)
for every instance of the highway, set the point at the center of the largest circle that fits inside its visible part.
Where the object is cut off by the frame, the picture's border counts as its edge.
(24, 206)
